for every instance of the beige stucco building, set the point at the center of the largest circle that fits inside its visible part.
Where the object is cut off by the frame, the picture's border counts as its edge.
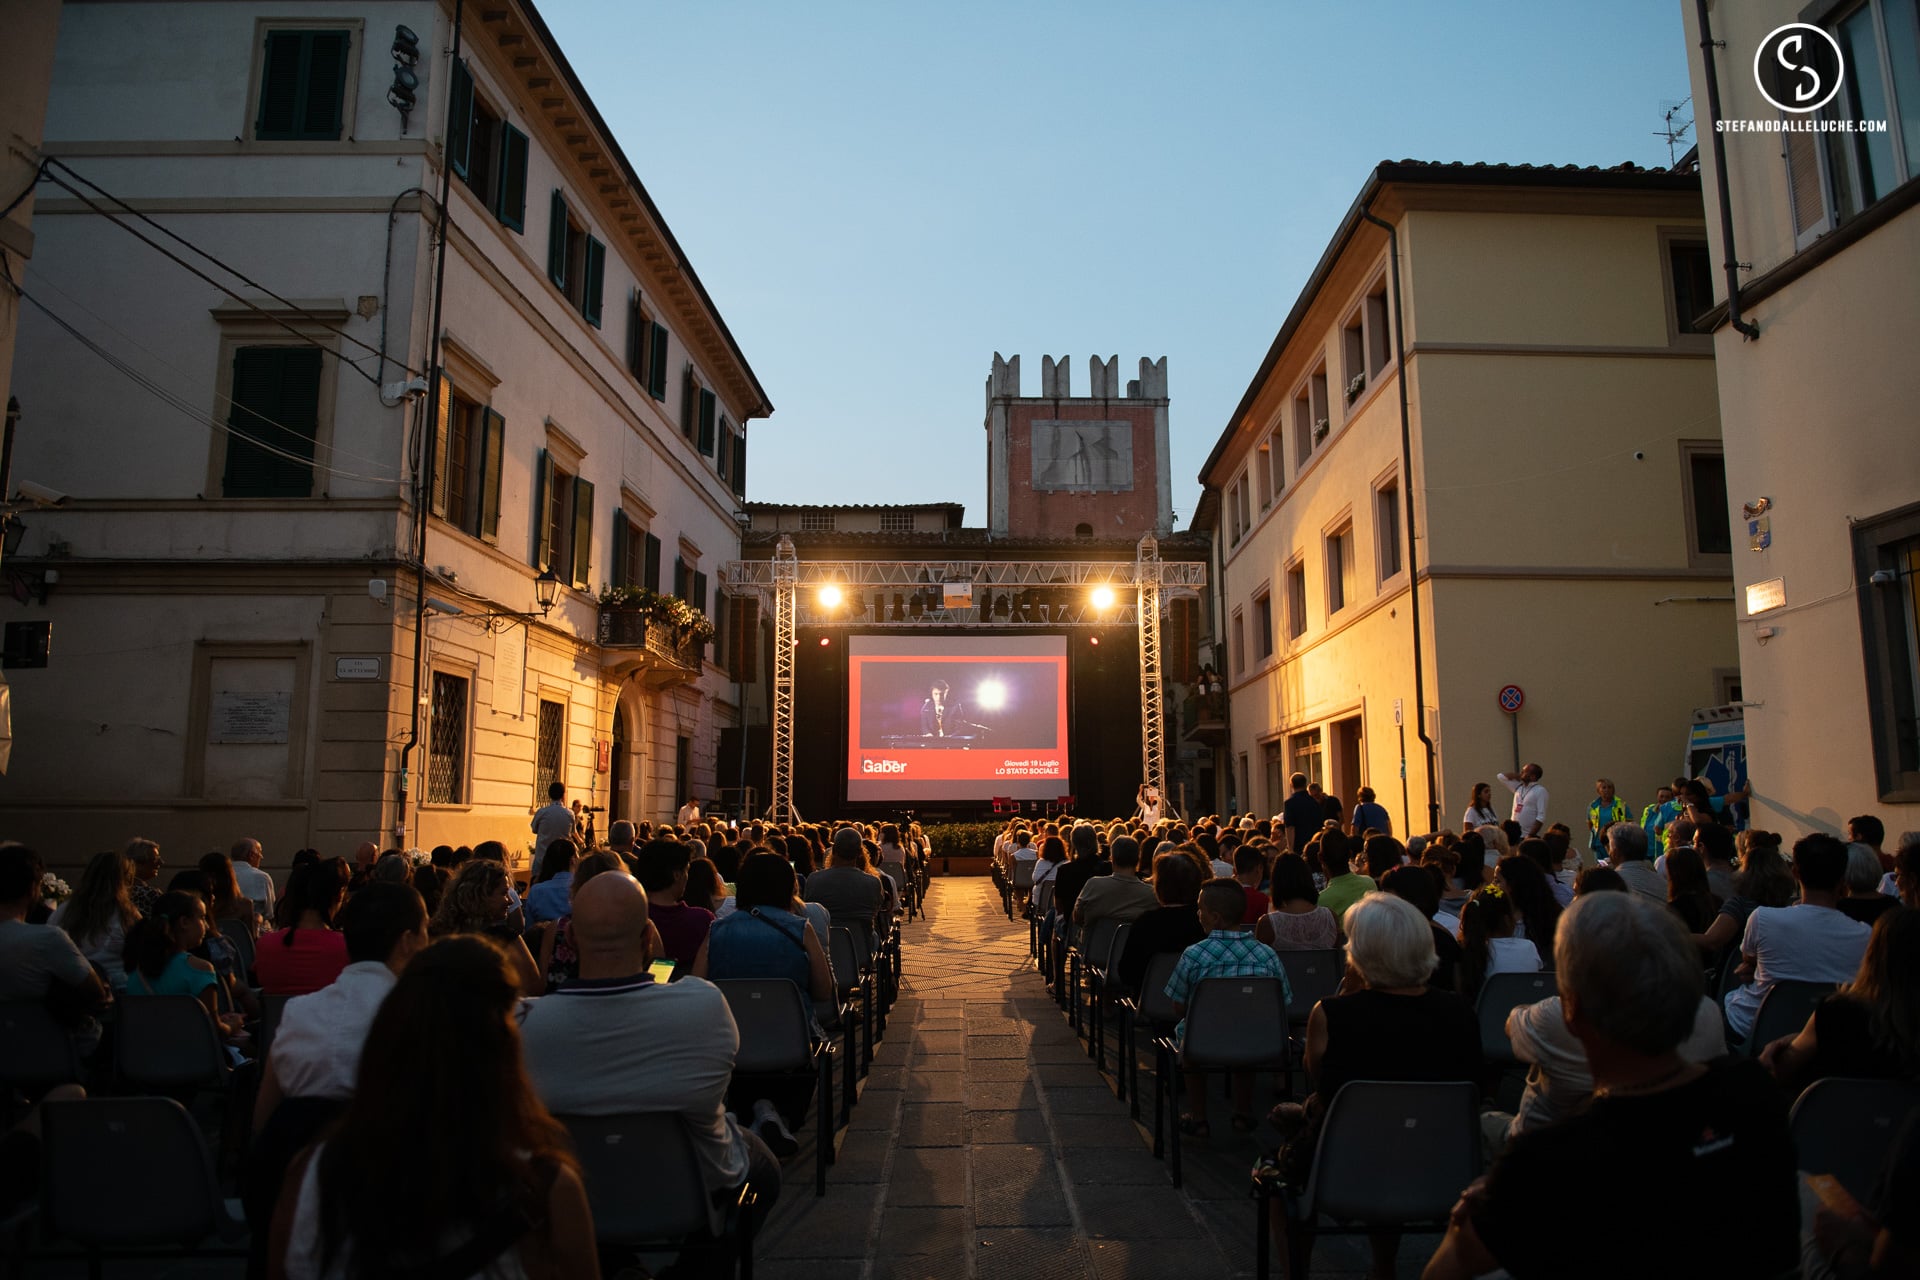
(234, 584)
(1817, 387)
(1562, 444)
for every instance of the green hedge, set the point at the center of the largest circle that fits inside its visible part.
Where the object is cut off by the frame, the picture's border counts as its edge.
(963, 839)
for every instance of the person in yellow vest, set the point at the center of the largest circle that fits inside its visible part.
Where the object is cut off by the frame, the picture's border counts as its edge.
(1606, 809)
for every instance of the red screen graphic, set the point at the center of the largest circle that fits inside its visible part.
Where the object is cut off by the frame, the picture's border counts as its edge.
(956, 717)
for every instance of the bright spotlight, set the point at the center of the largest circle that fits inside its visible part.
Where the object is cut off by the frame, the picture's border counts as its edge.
(990, 696)
(1103, 597)
(830, 597)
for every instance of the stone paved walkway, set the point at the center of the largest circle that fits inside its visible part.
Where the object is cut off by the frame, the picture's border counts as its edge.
(986, 1144)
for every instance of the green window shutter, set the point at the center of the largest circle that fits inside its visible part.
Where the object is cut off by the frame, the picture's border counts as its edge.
(492, 451)
(459, 117)
(740, 465)
(689, 403)
(680, 577)
(557, 239)
(582, 534)
(650, 570)
(323, 106)
(617, 574)
(723, 450)
(594, 294)
(280, 85)
(510, 200)
(543, 500)
(707, 405)
(657, 363)
(699, 600)
(439, 477)
(636, 338)
(275, 413)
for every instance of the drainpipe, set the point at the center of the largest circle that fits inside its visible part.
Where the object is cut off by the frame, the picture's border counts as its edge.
(1707, 45)
(1406, 483)
(423, 481)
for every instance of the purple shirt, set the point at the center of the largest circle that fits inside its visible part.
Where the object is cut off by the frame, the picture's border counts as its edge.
(682, 929)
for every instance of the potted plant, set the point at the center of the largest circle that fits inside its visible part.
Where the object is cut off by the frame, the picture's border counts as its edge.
(686, 624)
(1320, 429)
(1356, 385)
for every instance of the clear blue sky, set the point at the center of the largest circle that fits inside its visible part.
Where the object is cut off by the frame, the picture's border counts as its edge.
(880, 196)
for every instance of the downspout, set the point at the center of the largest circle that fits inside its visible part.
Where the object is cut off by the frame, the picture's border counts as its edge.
(1406, 483)
(423, 480)
(1732, 266)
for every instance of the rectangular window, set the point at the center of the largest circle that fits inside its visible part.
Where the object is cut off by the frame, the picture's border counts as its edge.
(549, 748)
(650, 565)
(1833, 177)
(1302, 429)
(708, 404)
(1239, 646)
(639, 340)
(690, 404)
(1296, 599)
(740, 465)
(1276, 465)
(896, 522)
(723, 450)
(1263, 624)
(1887, 561)
(469, 443)
(680, 577)
(1235, 530)
(1263, 474)
(629, 551)
(563, 509)
(657, 362)
(1339, 568)
(816, 521)
(447, 741)
(576, 261)
(304, 89)
(1317, 393)
(486, 152)
(273, 422)
(1709, 528)
(1379, 338)
(1353, 355)
(1690, 276)
(1303, 749)
(1386, 509)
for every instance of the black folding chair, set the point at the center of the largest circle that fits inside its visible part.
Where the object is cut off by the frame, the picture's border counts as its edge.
(1089, 948)
(1784, 1010)
(644, 1185)
(36, 1052)
(1151, 1006)
(1100, 967)
(1844, 1127)
(776, 1039)
(1500, 995)
(1233, 1024)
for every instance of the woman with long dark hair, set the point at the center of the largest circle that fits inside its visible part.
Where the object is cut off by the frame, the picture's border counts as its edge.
(159, 958)
(1687, 890)
(1871, 1026)
(100, 913)
(1487, 944)
(478, 901)
(305, 954)
(1479, 811)
(1536, 911)
(445, 1163)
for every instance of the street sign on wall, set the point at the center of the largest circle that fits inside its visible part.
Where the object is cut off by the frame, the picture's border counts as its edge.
(1512, 699)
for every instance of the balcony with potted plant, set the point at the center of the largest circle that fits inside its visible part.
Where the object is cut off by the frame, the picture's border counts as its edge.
(666, 630)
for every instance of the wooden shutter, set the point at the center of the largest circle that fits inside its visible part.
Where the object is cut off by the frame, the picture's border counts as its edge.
(680, 577)
(707, 404)
(459, 118)
(689, 402)
(740, 466)
(699, 600)
(743, 640)
(650, 570)
(557, 239)
(323, 109)
(636, 338)
(723, 451)
(280, 85)
(617, 572)
(657, 362)
(593, 294)
(510, 200)
(438, 477)
(493, 449)
(543, 499)
(582, 533)
(273, 419)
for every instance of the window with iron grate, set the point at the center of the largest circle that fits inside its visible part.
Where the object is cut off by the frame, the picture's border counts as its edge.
(447, 741)
(548, 747)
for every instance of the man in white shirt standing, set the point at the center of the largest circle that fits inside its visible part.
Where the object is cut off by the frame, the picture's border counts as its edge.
(1811, 941)
(689, 813)
(254, 883)
(551, 822)
(1529, 799)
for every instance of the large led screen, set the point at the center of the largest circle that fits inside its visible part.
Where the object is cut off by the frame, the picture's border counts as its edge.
(956, 717)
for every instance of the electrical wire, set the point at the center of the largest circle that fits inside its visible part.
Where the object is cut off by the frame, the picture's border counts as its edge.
(38, 172)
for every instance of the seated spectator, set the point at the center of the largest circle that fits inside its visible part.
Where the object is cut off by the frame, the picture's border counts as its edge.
(1598, 879)
(226, 903)
(1086, 865)
(1808, 942)
(1487, 942)
(1389, 1026)
(1296, 920)
(1559, 1082)
(551, 893)
(1458, 868)
(477, 902)
(1226, 951)
(615, 1041)
(39, 962)
(99, 914)
(306, 954)
(1903, 882)
(705, 888)
(1346, 866)
(1536, 912)
(559, 957)
(1871, 1026)
(144, 854)
(1764, 880)
(1715, 1139)
(1121, 896)
(1627, 854)
(1250, 870)
(1715, 845)
(1557, 858)
(852, 895)
(255, 885)
(159, 959)
(663, 874)
(495, 852)
(1174, 925)
(444, 1163)
(1419, 886)
(1689, 896)
(430, 882)
(1053, 856)
(1863, 900)
(621, 840)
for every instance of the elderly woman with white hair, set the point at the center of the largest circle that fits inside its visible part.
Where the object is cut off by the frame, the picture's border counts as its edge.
(1389, 1025)
(1714, 1138)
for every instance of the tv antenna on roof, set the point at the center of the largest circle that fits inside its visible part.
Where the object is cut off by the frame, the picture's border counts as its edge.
(1677, 128)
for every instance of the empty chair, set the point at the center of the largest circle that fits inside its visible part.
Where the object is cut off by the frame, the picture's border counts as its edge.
(168, 1043)
(132, 1177)
(1313, 976)
(1152, 1007)
(1100, 967)
(1500, 995)
(1233, 1024)
(35, 1050)
(1021, 882)
(1784, 1010)
(776, 1039)
(1843, 1127)
(1088, 950)
(1391, 1156)
(644, 1186)
(1039, 937)
(850, 979)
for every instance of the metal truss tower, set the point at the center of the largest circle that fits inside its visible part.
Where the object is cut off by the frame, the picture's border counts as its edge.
(1153, 723)
(786, 579)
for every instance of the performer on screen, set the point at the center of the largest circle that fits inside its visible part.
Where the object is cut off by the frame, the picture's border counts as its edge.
(942, 716)
(1147, 803)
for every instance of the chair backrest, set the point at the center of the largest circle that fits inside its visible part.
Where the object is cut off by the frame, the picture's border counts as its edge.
(1116, 947)
(1314, 976)
(166, 1042)
(1236, 1024)
(1395, 1151)
(775, 1023)
(271, 1007)
(35, 1049)
(642, 1176)
(235, 931)
(1043, 898)
(1784, 1010)
(1154, 1005)
(1844, 1127)
(1097, 940)
(844, 958)
(1023, 873)
(126, 1172)
(1500, 995)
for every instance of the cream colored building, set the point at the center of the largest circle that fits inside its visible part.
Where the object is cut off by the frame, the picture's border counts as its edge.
(1818, 396)
(26, 67)
(1562, 444)
(234, 583)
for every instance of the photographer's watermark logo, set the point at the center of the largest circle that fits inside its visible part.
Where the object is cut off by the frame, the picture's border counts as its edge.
(1799, 68)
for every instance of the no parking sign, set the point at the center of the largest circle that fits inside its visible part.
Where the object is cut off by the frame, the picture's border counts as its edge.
(1512, 699)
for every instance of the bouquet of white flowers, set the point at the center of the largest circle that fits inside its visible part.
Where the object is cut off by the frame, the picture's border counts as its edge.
(53, 889)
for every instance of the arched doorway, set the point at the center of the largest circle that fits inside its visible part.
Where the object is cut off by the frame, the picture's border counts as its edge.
(620, 802)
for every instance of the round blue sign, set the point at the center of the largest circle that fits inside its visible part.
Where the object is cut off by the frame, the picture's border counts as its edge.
(1511, 699)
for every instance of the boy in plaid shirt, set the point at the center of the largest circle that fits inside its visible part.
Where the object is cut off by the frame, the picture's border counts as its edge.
(1226, 952)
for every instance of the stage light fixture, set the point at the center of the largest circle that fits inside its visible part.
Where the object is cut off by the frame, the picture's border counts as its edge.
(1103, 597)
(1093, 640)
(990, 696)
(825, 641)
(829, 597)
